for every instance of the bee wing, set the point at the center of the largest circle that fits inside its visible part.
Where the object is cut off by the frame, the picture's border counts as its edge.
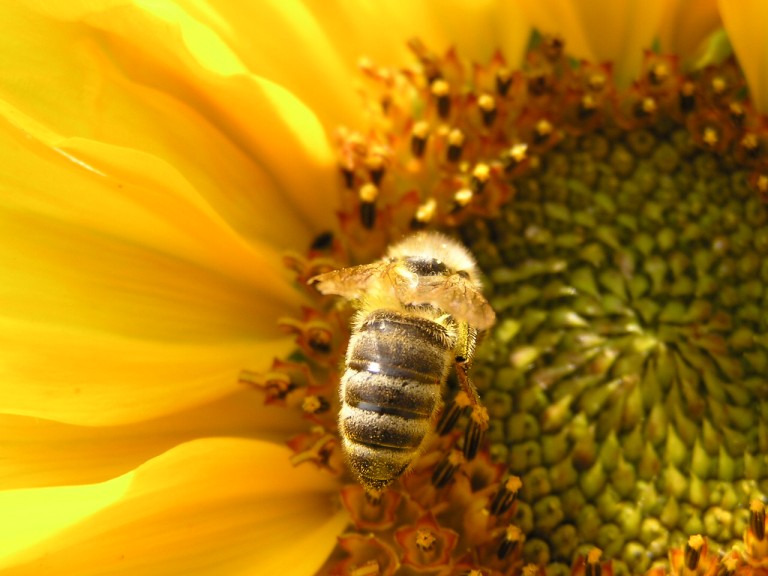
(351, 283)
(456, 295)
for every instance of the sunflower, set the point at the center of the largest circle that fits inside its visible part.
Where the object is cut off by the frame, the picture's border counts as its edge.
(167, 160)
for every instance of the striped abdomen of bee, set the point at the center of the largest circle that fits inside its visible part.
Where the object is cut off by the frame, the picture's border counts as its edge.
(396, 369)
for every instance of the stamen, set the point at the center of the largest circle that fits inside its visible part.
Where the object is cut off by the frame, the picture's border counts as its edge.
(375, 164)
(457, 407)
(313, 404)
(757, 519)
(480, 176)
(461, 199)
(455, 145)
(693, 551)
(658, 73)
(593, 566)
(646, 107)
(368, 194)
(488, 110)
(475, 432)
(424, 214)
(687, 97)
(441, 91)
(506, 496)
(542, 131)
(503, 81)
(419, 134)
(446, 469)
(513, 537)
(515, 156)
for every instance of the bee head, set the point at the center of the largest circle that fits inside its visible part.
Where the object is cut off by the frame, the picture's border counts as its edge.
(431, 253)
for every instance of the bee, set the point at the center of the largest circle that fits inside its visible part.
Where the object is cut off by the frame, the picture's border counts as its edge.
(419, 312)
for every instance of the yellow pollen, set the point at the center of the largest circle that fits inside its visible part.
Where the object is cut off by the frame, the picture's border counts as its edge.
(480, 415)
(710, 136)
(420, 129)
(425, 212)
(514, 484)
(518, 152)
(368, 193)
(482, 172)
(530, 570)
(736, 109)
(440, 88)
(696, 541)
(648, 105)
(659, 73)
(596, 82)
(594, 555)
(544, 128)
(456, 458)
(311, 404)
(486, 102)
(513, 534)
(749, 141)
(463, 197)
(425, 539)
(374, 162)
(370, 568)
(456, 137)
(719, 84)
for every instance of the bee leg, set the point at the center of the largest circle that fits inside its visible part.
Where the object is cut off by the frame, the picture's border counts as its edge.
(478, 418)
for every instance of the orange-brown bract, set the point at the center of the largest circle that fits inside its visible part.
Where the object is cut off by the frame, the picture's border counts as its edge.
(420, 309)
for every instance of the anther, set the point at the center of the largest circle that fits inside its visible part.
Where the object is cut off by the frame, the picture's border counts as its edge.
(596, 82)
(315, 404)
(710, 136)
(461, 199)
(592, 566)
(513, 157)
(757, 519)
(455, 145)
(503, 81)
(419, 134)
(553, 48)
(719, 85)
(481, 173)
(687, 97)
(375, 165)
(658, 73)
(475, 432)
(646, 107)
(368, 193)
(320, 339)
(737, 113)
(513, 537)
(452, 413)
(277, 385)
(538, 84)
(506, 496)
(323, 241)
(446, 468)
(441, 92)
(373, 497)
(424, 214)
(542, 131)
(728, 566)
(587, 106)
(488, 110)
(693, 550)
(348, 172)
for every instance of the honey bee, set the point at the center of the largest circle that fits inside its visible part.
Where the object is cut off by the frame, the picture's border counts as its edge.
(420, 309)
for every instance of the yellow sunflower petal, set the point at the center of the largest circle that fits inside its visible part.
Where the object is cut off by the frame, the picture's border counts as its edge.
(37, 452)
(148, 76)
(209, 506)
(686, 24)
(746, 21)
(602, 31)
(95, 378)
